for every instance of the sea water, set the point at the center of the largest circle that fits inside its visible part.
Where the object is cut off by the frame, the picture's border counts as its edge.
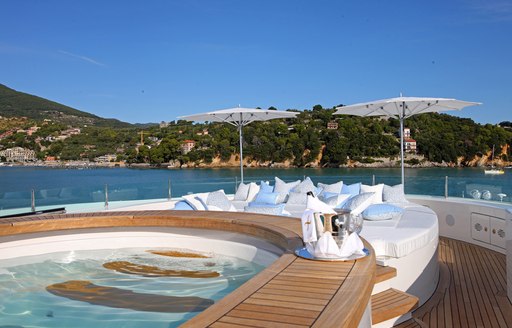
(54, 186)
(25, 302)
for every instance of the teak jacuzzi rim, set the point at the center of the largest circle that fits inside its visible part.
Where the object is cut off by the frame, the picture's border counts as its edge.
(345, 308)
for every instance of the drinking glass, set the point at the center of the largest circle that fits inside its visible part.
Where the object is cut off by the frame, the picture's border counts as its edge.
(355, 223)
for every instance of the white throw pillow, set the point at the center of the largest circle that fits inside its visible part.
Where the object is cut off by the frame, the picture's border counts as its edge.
(219, 199)
(254, 189)
(297, 198)
(377, 190)
(335, 187)
(357, 204)
(283, 187)
(242, 192)
(197, 201)
(394, 194)
(337, 200)
(306, 186)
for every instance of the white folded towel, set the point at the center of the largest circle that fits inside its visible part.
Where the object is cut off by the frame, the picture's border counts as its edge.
(319, 224)
(317, 205)
(326, 247)
(309, 233)
(352, 245)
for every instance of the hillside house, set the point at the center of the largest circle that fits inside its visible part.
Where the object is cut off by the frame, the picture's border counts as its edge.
(332, 125)
(187, 146)
(410, 145)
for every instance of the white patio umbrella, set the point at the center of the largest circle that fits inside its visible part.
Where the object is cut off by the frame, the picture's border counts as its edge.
(239, 117)
(402, 108)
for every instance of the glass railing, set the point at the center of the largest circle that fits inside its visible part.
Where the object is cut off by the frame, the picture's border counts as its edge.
(103, 195)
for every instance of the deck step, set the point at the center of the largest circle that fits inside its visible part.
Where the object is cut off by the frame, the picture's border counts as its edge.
(383, 273)
(392, 303)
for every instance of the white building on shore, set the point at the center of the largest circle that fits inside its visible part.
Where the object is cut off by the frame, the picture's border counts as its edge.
(18, 154)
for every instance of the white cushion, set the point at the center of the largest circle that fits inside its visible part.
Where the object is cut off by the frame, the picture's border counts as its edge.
(394, 194)
(335, 187)
(284, 187)
(357, 204)
(242, 192)
(297, 198)
(416, 228)
(306, 186)
(265, 209)
(337, 200)
(218, 209)
(380, 212)
(197, 201)
(219, 199)
(377, 192)
(253, 191)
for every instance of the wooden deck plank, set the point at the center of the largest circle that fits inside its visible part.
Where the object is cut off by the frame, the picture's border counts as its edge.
(294, 299)
(309, 282)
(225, 325)
(272, 317)
(472, 293)
(391, 303)
(289, 305)
(461, 290)
(306, 313)
(293, 292)
(481, 285)
(258, 323)
(384, 273)
(277, 286)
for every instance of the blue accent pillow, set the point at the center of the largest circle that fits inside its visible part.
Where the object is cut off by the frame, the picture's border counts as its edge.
(266, 198)
(265, 187)
(183, 206)
(379, 212)
(325, 195)
(353, 189)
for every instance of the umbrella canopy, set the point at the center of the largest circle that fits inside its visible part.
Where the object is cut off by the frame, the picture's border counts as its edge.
(239, 117)
(402, 108)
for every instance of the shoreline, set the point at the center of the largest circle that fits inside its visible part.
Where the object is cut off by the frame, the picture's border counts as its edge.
(353, 165)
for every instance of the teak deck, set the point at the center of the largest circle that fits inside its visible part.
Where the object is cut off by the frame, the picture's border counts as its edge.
(291, 292)
(471, 291)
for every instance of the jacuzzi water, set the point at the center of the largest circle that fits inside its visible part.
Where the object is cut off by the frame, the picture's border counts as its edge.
(25, 302)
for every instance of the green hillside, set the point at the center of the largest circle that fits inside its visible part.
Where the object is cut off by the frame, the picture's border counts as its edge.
(17, 104)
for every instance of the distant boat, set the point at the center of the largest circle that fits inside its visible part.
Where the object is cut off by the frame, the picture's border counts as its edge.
(493, 170)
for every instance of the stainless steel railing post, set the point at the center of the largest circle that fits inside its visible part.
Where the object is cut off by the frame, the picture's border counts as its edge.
(446, 187)
(169, 194)
(373, 180)
(33, 200)
(106, 196)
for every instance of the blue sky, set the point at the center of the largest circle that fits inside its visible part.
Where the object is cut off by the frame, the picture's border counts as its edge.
(151, 61)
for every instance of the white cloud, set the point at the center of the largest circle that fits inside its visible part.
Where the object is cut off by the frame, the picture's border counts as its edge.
(84, 58)
(493, 10)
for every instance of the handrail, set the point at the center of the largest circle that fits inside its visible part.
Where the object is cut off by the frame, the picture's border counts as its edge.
(492, 189)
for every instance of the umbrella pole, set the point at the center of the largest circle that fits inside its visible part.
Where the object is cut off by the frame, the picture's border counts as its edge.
(402, 144)
(241, 155)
